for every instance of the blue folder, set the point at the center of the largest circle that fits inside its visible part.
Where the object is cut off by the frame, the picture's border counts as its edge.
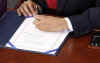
(9, 23)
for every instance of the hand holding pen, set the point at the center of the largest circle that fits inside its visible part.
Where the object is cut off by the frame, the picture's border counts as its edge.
(28, 8)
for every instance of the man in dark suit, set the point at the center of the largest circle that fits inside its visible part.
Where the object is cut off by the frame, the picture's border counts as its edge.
(82, 14)
(79, 16)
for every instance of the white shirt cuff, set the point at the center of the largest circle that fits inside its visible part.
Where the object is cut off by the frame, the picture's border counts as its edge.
(69, 24)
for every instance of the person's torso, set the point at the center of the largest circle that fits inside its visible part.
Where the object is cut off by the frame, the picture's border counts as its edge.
(67, 7)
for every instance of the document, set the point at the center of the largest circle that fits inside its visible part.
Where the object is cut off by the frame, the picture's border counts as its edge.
(28, 37)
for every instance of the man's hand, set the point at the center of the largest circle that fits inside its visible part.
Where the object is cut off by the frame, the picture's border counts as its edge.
(28, 8)
(50, 23)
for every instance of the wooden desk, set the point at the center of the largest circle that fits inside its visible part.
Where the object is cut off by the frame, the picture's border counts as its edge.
(75, 50)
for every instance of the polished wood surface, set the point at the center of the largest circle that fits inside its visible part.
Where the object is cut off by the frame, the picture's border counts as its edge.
(75, 50)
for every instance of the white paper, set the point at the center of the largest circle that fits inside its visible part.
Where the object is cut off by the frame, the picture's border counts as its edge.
(28, 37)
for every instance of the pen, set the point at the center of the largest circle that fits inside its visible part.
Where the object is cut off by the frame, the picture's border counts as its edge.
(38, 10)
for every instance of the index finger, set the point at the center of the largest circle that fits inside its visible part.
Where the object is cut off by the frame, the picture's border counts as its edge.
(31, 7)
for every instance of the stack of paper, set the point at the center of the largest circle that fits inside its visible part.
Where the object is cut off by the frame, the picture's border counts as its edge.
(28, 37)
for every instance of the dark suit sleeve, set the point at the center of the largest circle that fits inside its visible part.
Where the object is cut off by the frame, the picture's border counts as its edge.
(85, 22)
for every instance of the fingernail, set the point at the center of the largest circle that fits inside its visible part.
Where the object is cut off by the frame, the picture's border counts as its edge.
(30, 14)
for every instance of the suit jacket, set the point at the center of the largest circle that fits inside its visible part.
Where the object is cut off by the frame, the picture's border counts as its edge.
(84, 14)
